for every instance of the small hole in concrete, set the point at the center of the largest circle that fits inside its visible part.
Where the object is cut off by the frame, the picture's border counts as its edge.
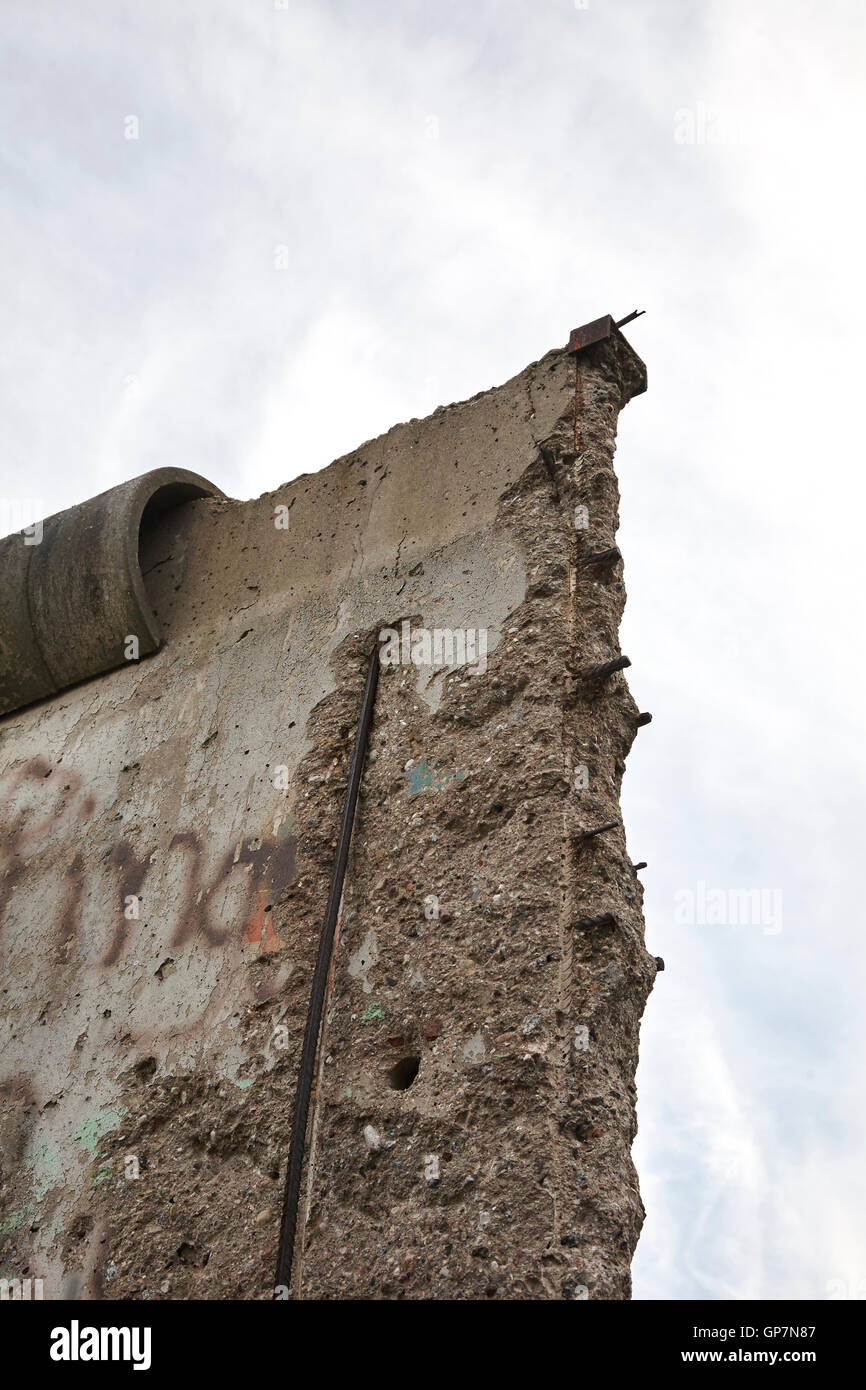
(401, 1076)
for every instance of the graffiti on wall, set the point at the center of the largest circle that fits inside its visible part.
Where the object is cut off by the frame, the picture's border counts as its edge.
(38, 800)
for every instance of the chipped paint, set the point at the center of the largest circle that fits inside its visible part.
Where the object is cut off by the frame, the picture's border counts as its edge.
(91, 1131)
(364, 959)
(422, 779)
(373, 1014)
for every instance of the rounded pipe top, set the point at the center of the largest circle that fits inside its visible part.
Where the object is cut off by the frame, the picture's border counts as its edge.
(72, 593)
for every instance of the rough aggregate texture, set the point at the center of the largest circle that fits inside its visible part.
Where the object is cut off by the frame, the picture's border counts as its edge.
(474, 1110)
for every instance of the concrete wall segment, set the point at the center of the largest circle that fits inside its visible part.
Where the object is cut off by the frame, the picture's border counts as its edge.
(202, 786)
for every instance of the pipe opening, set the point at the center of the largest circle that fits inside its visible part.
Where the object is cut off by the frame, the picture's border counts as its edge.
(160, 550)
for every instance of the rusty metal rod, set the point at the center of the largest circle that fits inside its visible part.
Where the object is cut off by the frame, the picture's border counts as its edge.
(582, 835)
(604, 919)
(607, 668)
(635, 314)
(306, 1070)
(602, 559)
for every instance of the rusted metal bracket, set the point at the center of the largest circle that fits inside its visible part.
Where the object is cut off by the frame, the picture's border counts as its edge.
(306, 1070)
(598, 330)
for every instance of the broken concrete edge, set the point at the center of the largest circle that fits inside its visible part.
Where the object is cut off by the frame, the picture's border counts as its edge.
(207, 785)
(634, 377)
(73, 601)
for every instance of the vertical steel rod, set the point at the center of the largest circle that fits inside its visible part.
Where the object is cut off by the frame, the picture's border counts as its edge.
(306, 1070)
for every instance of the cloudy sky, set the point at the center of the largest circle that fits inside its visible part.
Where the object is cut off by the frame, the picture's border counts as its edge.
(242, 237)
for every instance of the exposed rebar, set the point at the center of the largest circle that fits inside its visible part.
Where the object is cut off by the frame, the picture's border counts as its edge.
(306, 1070)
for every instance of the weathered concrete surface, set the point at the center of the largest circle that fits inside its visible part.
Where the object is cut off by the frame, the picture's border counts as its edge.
(475, 1109)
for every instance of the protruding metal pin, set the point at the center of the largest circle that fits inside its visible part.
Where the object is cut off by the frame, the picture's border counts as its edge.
(604, 919)
(635, 314)
(602, 559)
(599, 830)
(607, 668)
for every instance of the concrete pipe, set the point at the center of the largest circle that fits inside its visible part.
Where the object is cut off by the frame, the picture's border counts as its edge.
(70, 601)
